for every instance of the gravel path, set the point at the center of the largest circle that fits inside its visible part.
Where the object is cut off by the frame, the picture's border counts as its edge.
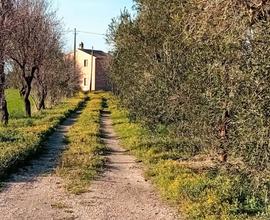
(35, 192)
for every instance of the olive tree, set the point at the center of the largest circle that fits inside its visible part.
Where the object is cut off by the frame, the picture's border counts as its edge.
(32, 40)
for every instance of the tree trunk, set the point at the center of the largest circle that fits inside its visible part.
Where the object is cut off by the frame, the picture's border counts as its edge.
(223, 133)
(41, 104)
(42, 99)
(26, 90)
(3, 103)
(26, 95)
(27, 103)
(224, 125)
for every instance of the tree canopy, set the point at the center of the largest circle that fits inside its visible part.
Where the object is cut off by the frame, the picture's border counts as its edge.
(199, 70)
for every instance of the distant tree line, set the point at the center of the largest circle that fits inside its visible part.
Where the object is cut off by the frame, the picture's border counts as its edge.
(201, 71)
(31, 47)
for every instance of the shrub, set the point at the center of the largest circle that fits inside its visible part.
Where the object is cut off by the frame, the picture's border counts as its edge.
(214, 191)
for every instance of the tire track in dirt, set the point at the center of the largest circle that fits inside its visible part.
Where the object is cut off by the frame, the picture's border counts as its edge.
(121, 193)
(34, 191)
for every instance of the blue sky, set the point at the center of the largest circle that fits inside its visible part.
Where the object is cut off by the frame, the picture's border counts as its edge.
(90, 16)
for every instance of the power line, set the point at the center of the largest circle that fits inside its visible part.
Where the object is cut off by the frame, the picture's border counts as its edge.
(93, 33)
(85, 32)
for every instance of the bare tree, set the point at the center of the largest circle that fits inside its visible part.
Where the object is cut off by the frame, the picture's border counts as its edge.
(30, 40)
(5, 29)
(52, 53)
(56, 79)
(63, 80)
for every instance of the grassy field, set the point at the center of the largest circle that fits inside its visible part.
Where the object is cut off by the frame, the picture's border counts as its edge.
(199, 191)
(83, 159)
(16, 104)
(23, 136)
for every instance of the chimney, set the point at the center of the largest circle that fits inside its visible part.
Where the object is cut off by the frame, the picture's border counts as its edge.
(81, 45)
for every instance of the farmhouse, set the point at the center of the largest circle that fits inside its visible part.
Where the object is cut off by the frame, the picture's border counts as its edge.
(93, 65)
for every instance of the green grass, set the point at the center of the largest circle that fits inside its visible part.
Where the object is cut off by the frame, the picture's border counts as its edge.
(22, 137)
(199, 193)
(16, 104)
(83, 160)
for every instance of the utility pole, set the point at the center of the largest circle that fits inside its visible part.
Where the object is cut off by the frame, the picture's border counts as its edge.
(92, 66)
(75, 47)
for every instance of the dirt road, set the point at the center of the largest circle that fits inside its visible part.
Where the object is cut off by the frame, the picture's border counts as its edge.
(36, 192)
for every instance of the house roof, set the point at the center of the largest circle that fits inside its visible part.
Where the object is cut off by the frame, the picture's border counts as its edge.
(97, 53)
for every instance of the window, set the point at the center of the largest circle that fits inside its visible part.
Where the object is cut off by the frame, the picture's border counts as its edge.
(84, 82)
(85, 63)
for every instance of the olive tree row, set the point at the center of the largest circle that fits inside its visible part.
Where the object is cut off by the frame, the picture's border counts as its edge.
(200, 71)
(33, 40)
(35, 51)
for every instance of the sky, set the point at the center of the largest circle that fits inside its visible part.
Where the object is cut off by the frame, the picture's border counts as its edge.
(88, 16)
